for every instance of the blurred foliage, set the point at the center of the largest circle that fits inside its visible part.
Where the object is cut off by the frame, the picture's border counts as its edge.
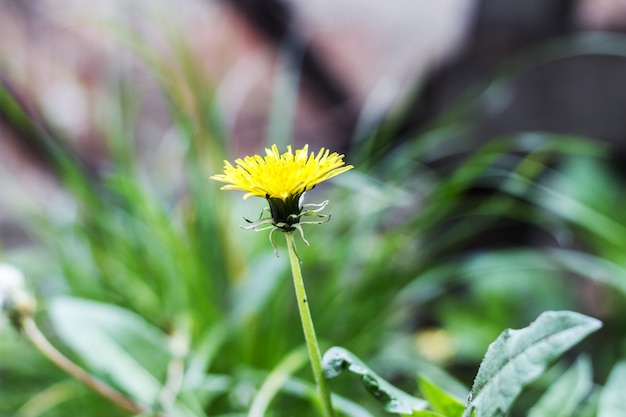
(435, 247)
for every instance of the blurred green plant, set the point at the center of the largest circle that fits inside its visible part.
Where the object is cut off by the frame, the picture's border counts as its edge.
(153, 269)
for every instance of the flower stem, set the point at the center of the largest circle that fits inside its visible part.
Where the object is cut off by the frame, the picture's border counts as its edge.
(31, 330)
(307, 327)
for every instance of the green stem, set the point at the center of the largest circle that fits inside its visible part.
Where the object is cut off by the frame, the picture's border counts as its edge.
(31, 330)
(307, 327)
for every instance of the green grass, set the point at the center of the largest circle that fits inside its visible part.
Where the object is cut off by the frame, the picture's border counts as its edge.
(398, 256)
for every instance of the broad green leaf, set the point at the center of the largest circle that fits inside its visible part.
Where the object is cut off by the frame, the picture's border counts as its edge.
(565, 395)
(517, 357)
(115, 343)
(394, 400)
(440, 401)
(612, 401)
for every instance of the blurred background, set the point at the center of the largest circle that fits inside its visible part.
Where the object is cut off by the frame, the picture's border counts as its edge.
(489, 141)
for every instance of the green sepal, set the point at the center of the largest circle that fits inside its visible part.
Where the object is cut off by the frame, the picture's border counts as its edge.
(285, 213)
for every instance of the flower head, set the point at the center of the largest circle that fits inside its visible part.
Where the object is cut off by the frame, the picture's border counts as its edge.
(282, 179)
(281, 176)
(15, 301)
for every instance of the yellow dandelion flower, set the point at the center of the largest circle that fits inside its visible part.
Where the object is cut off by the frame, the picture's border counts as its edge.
(282, 179)
(281, 176)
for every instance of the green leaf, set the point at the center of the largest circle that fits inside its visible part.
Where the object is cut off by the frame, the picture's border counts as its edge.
(115, 343)
(440, 401)
(612, 400)
(589, 407)
(565, 395)
(394, 400)
(426, 413)
(517, 357)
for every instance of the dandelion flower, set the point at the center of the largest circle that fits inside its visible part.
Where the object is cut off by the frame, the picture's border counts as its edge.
(283, 179)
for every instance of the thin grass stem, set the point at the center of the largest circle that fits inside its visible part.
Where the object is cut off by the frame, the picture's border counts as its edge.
(275, 381)
(41, 342)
